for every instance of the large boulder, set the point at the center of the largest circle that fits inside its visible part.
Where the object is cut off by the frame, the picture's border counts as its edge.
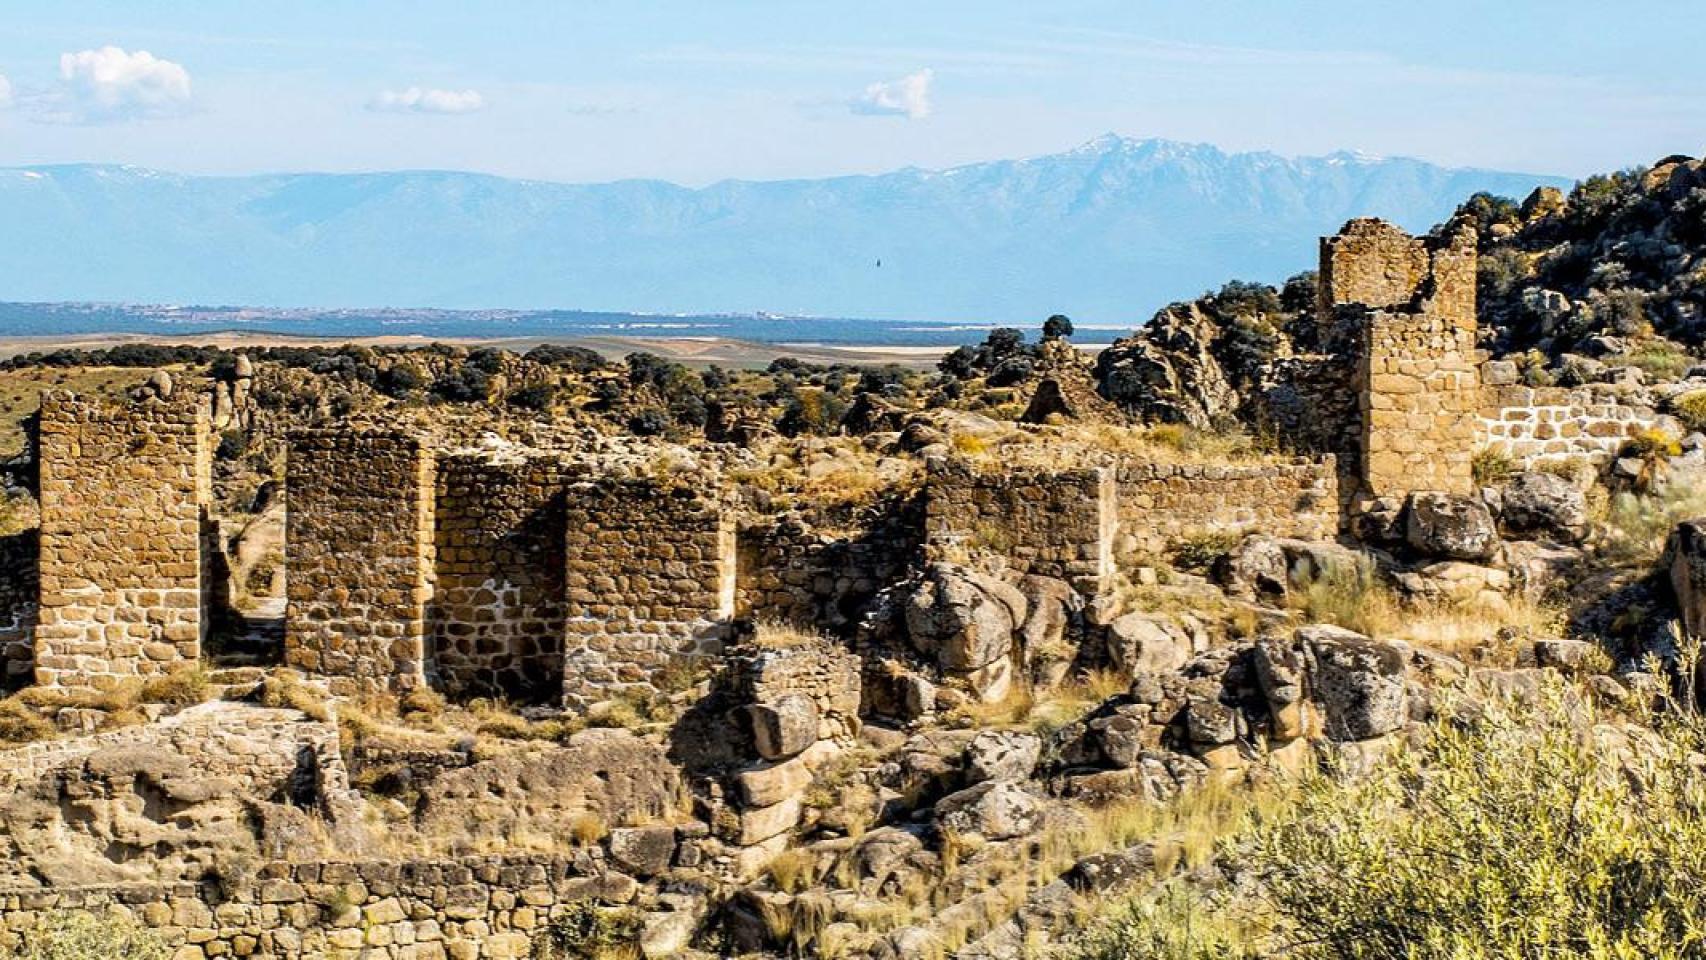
(994, 810)
(962, 618)
(1450, 527)
(785, 727)
(1358, 683)
(1544, 505)
(1002, 755)
(1055, 609)
(1148, 643)
(1255, 569)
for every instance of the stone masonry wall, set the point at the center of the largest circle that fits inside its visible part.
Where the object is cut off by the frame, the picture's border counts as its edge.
(496, 617)
(1418, 376)
(124, 495)
(650, 576)
(358, 557)
(1533, 425)
(20, 588)
(487, 907)
(1161, 505)
(1049, 523)
(789, 572)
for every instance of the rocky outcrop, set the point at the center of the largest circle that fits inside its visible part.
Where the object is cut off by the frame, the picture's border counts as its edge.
(964, 621)
(1168, 371)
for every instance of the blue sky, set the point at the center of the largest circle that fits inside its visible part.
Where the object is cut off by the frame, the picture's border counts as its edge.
(699, 90)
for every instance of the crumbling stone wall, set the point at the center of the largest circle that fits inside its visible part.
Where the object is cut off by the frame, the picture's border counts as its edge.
(1411, 302)
(650, 576)
(1049, 523)
(789, 572)
(124, 496)
(497, 619)
(1533, 425)
(488, 907)
(358, 557)
(20, 588)
(1161, 504)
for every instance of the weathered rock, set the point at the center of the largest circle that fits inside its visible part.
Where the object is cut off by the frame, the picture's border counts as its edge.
(963, 618)
(1256, 569)
(1002, 755)
(643, 851)
(1054, 608)
(1104, 872)
(994, 810)
(1124, 734)
(771, 783)
(1544, 505)
(1209, 722)
(1450, 527)
(1358, 682)
(1146, 643)
(785, 727)
(1168, 371)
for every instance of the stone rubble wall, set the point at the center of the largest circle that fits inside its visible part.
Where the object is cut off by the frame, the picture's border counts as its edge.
(1161, 505)
(124, 496)
(650, 577)
(359, 557)
(1535, 425)
(788, 572)
(497, 613)
(1052, 523)
(465, 909)
(1370, 262)
(20, 586)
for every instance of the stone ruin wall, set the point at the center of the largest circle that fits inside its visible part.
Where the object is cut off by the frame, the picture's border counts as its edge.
(497, 617)
(1536, 425)
(1051, 523)
(789, 572)
(20, 586)
(359, 551)
(124, 495)
(1411, 304)
(650, 577)
(477, 907)
(1161, 505)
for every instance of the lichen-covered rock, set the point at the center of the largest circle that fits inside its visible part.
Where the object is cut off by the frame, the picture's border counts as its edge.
(1256, 568)
(1450, 527)
(1168, 371)
(1544, 505)
(1358, 682)
(643, 851)
(1002, 755)
(994, 810)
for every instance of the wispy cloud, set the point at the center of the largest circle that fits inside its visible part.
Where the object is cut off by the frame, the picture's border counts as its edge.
(5, 92)
(113, 85)
(427, 100)
(907, 97)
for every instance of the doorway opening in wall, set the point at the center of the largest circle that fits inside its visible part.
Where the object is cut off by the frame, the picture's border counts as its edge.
(244, 584)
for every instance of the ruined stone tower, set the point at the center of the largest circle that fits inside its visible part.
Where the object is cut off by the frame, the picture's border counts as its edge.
(124, 498)
(1409, 305)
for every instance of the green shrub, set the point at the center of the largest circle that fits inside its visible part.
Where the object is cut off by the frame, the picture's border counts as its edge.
(1690, 408)
(1513, 831)
(80, 935)
(1491, 466)
(584, 931)
(1199, 551)
(1172, 924)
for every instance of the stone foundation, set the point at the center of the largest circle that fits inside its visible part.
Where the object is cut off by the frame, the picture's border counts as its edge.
(1047, 523)
(1161, 505)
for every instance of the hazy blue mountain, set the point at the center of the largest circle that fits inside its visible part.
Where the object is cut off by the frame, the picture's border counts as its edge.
(1106, 232)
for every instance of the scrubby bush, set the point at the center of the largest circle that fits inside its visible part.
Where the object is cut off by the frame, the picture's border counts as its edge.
(1690, 408)
(1491, 466)
(81, 935)
(586, 931)
(1513, 831)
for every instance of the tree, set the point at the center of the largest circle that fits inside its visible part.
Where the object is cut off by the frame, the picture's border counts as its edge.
(1057, 327)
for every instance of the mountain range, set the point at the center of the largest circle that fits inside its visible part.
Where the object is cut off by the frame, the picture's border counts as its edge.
(1107, 232)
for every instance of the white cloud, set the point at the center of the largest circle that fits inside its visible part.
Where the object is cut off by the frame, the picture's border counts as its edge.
(425, 100)
(5, 92)
(907, 97)
(111, 84)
